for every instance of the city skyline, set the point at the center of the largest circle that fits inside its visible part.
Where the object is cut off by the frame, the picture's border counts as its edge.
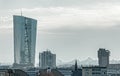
(79, 28)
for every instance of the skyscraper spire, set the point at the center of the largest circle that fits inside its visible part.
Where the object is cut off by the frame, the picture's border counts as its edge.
(21, 12)
(76, 66)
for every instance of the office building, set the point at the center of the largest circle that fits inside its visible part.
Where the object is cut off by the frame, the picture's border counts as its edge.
(24, 41)
(47, 59)
(103, 57)
(113, 70)
(94, 71)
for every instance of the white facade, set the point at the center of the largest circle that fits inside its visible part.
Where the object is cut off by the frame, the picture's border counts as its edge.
(24, 40)
(47, 59)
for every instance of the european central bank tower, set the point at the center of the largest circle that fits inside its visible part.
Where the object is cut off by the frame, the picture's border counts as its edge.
(24, 41)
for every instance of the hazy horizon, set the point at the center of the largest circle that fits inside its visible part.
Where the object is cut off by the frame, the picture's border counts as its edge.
(72, 29)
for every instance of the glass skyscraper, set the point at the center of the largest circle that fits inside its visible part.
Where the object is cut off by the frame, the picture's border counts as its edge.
(24, 40)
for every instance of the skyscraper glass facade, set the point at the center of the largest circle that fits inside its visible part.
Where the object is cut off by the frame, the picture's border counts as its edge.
(24, 40)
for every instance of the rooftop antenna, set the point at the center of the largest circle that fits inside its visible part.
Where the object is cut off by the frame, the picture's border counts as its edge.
(21, 12)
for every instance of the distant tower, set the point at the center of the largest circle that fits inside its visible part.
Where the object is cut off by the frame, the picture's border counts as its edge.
(24, 41)
(47, 59)
(76, 66)
(77, 71)
(103, 57)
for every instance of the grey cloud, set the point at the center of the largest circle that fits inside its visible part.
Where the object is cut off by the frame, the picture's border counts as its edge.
(56, 17)
(51, 3)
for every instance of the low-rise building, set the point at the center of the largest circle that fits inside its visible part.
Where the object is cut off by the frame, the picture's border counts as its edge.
(65, 71)
(113, 70)
(94, 71)
(50, 72)
(12, 72)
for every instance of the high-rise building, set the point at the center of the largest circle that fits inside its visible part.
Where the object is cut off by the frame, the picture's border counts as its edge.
(47, 59)
(24, 40)
(103, 57)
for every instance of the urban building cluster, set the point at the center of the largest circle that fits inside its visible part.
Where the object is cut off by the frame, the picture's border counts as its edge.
(104, 68)
(24, 56)
(24, 45)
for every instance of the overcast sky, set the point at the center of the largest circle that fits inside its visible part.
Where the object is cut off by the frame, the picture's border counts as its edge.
(73, 29)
